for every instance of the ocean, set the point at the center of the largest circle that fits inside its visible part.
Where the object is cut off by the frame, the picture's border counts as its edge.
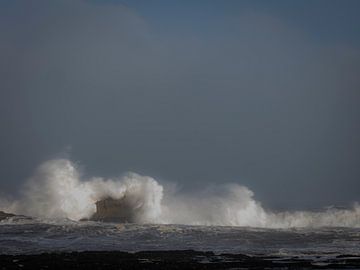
(20, 235)
(58, 213)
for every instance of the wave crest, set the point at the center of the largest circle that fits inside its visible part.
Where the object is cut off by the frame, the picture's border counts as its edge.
(57, 190)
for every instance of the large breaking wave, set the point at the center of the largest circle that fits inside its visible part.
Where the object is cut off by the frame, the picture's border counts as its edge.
(57, 190)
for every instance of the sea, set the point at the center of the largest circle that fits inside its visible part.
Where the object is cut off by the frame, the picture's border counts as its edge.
(21, 235)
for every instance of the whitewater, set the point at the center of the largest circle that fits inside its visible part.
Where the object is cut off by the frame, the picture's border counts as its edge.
(58, 190)
(56, 199)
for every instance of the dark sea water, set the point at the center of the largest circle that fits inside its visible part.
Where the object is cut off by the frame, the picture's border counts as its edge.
(32, 236)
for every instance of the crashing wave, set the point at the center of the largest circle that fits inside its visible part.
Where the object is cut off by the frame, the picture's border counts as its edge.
(57, 190)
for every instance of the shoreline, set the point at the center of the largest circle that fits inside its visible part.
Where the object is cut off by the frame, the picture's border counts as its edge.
(171, 259)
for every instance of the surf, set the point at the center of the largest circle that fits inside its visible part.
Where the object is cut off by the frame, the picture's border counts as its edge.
(58, 190)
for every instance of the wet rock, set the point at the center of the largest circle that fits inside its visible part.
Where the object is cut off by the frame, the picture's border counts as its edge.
(113, 210)
(172, 259)
(4, 215)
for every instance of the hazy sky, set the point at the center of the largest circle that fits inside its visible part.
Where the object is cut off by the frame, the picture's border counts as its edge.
(262, 93)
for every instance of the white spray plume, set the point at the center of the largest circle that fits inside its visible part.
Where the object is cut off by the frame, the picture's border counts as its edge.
(56, 190)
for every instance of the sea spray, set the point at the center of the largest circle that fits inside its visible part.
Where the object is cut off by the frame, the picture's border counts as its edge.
(227, 204)
(58, 190)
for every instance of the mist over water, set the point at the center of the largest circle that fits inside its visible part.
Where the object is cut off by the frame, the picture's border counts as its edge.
(57, 190)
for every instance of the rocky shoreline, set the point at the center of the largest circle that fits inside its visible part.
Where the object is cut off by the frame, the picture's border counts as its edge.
(4, 215)
(186, 259)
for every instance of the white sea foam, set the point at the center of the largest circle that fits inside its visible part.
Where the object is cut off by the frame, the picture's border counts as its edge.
(57, 190)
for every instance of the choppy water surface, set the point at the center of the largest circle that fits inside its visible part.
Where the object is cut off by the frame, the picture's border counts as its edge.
(26, 236)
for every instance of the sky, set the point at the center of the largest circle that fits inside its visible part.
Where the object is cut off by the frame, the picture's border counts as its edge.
(260, 93)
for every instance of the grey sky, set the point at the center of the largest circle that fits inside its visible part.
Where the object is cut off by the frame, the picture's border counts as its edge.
(204, 93)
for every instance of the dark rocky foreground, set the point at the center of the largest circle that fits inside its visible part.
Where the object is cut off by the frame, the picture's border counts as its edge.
(187, 259)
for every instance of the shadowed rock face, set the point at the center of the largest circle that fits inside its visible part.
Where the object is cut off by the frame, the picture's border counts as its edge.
(112, 210)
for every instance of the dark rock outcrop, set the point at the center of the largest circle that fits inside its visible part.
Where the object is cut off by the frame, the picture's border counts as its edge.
(113, 210)
(176, 259)
(4, 215)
